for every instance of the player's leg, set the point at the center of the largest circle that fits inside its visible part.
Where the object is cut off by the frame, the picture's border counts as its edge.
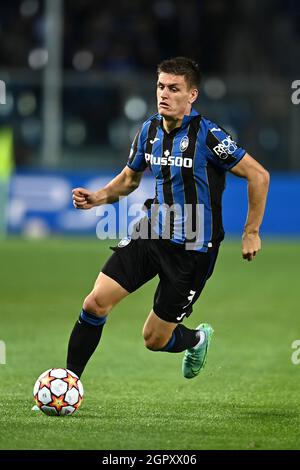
(124, 272)
(157, 332)
(195, 357)
(87, 330)
(162, 335)
(182, 278)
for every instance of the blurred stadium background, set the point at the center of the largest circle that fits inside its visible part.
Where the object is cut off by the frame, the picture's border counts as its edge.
(79, 79)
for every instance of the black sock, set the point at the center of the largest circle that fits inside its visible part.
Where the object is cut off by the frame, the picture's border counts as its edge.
(182, 338)
(83, 341)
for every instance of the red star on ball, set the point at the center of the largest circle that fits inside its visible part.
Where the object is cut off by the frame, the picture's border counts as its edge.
(46, 381)
(71, 381)
(58, 402)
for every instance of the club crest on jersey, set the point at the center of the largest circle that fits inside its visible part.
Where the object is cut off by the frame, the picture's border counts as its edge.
(184, 143)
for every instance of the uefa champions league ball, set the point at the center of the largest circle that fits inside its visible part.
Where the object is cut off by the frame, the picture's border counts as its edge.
(58, 392)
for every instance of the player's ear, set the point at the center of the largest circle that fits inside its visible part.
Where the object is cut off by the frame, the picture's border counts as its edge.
(193, 95)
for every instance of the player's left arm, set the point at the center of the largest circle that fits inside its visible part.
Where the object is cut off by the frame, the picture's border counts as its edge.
(258, 184)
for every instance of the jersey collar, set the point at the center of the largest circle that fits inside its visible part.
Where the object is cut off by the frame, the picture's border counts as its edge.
(185, 121)
(188, 117)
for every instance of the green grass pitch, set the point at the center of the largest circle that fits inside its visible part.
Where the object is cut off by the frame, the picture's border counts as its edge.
(247, 397)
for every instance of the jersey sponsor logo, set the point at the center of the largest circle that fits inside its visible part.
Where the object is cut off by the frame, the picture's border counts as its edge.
(152, 141)
(225, 148)
(184, 143)
(168, 159)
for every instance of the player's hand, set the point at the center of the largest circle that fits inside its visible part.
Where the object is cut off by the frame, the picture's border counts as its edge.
(83, 199)
(251, 245)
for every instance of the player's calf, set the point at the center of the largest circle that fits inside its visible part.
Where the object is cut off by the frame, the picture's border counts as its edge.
(162, 335)
(83, 341)
(87, 330)
(155, 342)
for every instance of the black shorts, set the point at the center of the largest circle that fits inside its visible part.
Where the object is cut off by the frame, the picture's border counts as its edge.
(182, 273)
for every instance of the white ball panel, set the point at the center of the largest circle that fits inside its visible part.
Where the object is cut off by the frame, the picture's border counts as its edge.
(67, 410)
(58, 373)
(49, 410)
(72, 396)
(44, 395)
(58, 387)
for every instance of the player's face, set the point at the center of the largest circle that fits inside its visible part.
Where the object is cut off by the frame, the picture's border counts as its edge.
(174, 96)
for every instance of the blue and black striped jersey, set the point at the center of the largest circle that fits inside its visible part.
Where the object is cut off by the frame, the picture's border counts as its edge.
(189, 165)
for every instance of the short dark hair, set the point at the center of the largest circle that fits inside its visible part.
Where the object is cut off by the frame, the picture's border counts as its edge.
(182, 66)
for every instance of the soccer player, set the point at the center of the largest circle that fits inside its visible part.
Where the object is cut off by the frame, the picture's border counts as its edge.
(189, 156)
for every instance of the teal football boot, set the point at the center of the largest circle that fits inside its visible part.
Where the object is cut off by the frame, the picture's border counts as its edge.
(195, 358)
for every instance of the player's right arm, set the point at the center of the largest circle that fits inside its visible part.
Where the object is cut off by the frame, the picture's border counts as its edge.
(122, 185)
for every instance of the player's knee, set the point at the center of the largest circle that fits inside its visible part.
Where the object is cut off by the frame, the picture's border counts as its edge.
(93, 304)
(153, 342)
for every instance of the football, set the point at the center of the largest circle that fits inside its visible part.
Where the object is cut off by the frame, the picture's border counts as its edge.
(58, 392)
